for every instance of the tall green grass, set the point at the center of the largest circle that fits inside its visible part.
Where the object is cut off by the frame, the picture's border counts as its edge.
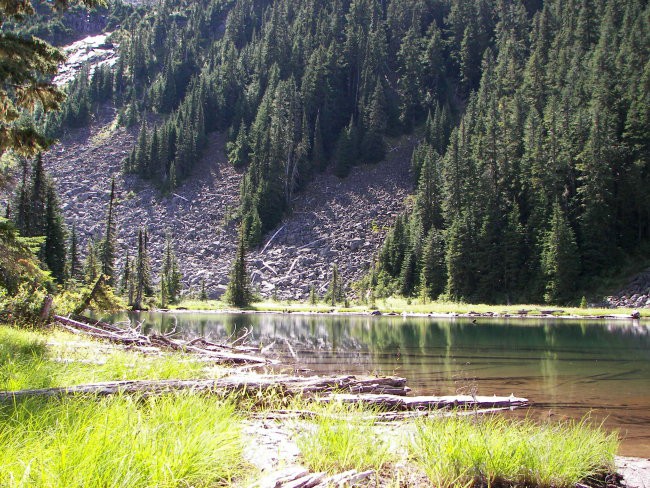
(341, 438)
(488, 451)
(31, 359)
(169, 441)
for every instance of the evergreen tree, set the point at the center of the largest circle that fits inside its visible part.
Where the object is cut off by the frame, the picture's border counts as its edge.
(54, 247)
(238, 291)
(143, 286)
(345, 151)
(74, 261)
(92, 266)
(170, 275)
(560, 259)
(36, 207)
(109, 245)
(335, 290)
(22, 84)
(433, 278)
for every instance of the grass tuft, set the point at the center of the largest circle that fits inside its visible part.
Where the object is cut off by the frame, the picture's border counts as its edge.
(489, 451)
(30, 359)
(342, 438)
(170, 441)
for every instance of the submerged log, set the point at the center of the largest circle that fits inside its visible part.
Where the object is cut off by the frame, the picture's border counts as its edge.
(251, 384)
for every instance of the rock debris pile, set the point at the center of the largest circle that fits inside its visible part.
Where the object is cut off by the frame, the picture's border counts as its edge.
(333, 221)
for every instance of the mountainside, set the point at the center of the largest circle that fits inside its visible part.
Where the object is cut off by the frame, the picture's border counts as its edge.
(333, 221)
(273, 120)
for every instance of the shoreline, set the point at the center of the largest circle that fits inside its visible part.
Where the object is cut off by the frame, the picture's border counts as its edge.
(437, 315)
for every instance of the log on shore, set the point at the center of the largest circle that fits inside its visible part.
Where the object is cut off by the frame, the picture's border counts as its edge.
(404, 403)
(131, 337)
(301, 478)
(251, 384)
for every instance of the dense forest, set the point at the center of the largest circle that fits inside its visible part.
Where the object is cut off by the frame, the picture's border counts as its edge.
(534, 119)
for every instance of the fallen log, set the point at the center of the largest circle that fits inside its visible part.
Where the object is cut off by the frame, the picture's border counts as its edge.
(299, 477)
(383, 417)
(403, 403)
(132, 337)
(251, 384)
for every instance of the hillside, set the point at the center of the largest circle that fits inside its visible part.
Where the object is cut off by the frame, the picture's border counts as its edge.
(528, 176)
(333, 221)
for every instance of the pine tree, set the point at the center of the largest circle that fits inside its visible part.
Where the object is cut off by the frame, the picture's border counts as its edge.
(91, 264)
(127, 277)
(372, 144)
(433, 277)
(35, 221)
(345, 151)
(238, 149)
(108, 248)
(335, 290)
(54, 246)
(143, 286)
(560, 259)
(170, 275)
(22, 84)
(74, 261)
(238, 291)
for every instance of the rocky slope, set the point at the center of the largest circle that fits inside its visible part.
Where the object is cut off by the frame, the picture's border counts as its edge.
(333, 221)
(636, 294)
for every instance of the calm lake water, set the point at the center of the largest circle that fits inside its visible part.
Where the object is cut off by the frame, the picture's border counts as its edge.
(567, 368)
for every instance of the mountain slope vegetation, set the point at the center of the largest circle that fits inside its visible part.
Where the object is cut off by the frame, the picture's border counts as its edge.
(533, 118)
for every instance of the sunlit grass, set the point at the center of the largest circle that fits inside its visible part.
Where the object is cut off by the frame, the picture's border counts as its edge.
(413, 306)
(341, 438)
(168, 441)
(488, 451)
(33, 359)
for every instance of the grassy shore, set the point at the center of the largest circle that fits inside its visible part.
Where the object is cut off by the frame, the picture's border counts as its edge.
(414, 307)
(191, 439)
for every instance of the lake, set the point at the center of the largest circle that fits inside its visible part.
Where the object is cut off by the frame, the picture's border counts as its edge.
(567, 368)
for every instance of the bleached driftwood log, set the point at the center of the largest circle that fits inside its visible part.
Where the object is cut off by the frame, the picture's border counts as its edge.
(247, 384)
(132, 337)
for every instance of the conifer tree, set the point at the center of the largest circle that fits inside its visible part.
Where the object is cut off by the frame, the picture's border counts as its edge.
(143, 286)
(127, 276)
(108, 248)
(335, 290)
(92, 266)
(345, 151)
(433, 277)
(30, 61)
(560, 259)
(170, 275)
(54, 252)
(74, 261)
(36, 206)
(238, 291)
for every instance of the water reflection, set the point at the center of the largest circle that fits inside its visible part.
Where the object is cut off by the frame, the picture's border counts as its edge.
(568, 368)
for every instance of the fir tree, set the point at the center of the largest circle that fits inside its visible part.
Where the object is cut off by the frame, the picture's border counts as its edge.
(335, 290)
(143, 286)
(54, 247)
(74, 261)
(170, 275)
(92, 266)
(560, 259)
(238, 291)
(108, 248)
(21, 82)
